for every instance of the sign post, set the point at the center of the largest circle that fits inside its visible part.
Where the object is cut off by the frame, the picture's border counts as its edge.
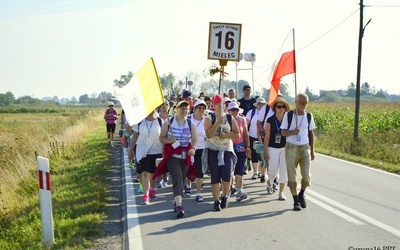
(224, 44)
(45, 201)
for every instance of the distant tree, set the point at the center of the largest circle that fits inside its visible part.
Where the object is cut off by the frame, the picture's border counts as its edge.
(52, 102)
(169, 84)
(329, 96)
(284, 89)
(105, 95)
(265, 94)
(64, 100)
(55, 98)
(365, 89)
(351, 90)
(46, 98)
(84, 98)
(312, 97)
(28, 100)
(381, 93)
(123, 80)
(73, 99)
(7, 99)
(209, 88)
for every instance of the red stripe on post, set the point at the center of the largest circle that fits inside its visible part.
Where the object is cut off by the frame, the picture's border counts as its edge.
(44, 180)
(48, 180)
(40, 179)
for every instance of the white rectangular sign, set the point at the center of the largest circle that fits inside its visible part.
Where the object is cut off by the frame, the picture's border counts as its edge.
(224, 41)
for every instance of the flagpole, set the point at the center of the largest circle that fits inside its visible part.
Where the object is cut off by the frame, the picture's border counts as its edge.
(222, 63)
(295, 78)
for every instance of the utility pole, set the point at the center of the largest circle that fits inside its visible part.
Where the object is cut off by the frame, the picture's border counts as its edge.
(360, 37)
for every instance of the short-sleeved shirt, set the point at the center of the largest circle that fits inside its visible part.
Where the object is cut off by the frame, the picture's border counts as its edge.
(111, 119)
(148, 142)
(262, 114)
(303, 126)
(240, 123)
(253, 122)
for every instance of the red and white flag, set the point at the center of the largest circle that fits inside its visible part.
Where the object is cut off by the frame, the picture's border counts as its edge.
(285, 64)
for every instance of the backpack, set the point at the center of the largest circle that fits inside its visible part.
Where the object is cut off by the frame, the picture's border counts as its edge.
(189, 121)
(290, 117)
(265, 114)
(228, 117)
(159, 122)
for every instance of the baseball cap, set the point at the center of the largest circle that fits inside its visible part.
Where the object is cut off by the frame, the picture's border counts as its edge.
(259, 100)
(187, 94)
(199, 102)
(182, 103)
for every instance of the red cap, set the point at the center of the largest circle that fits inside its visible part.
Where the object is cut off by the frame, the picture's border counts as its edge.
(216, 99)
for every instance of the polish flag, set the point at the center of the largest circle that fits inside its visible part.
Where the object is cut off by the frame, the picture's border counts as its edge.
(285, 64)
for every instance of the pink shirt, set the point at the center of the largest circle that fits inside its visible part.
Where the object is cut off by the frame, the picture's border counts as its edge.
(111, 119)
(240, 123)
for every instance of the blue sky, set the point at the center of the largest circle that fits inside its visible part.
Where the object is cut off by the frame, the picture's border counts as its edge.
(69, 48)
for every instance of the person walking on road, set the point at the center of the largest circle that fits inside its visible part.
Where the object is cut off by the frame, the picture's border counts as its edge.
(298, 127)
(162, 181)
(241, 146)
(274, 147)
(220, 129)
(179, 137)
(198, 119)
(111, 116)
(246, 102)
(256, 161)
(148, 149)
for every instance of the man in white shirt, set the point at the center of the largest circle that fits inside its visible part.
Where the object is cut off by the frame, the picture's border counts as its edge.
(299, 149)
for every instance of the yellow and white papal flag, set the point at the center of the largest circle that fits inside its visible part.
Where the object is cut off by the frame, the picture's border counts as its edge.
(142, 94)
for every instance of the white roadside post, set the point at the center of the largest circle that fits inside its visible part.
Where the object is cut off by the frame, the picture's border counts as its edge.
(45, 201)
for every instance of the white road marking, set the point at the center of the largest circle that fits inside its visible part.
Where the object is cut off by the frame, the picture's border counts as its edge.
(360, 165)
(355, 213)
(335, 211)
(132, 218)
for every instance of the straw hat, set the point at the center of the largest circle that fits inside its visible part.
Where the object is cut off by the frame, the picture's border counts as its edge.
(280, 99)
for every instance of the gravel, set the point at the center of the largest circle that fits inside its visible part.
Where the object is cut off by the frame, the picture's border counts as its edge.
(113, 226)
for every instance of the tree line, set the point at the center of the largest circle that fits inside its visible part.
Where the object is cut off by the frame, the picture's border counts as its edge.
(172, 85)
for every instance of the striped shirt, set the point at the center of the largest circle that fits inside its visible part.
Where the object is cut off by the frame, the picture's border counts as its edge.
(182, 133)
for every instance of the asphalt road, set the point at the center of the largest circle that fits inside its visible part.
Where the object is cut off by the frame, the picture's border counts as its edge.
(350, 206)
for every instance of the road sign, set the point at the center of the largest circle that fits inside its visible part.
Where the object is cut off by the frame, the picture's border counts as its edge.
(224, 41)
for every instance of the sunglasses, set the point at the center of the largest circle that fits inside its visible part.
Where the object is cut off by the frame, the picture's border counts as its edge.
(280, 106)
(234, 110)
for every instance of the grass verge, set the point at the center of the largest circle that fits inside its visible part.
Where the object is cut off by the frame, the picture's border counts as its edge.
(78, 180)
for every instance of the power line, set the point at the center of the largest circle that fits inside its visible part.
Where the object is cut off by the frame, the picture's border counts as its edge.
(315, 40)
(382, 6)
(337, 25)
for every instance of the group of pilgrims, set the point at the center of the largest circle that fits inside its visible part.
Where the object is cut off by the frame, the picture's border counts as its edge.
(188, 138)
